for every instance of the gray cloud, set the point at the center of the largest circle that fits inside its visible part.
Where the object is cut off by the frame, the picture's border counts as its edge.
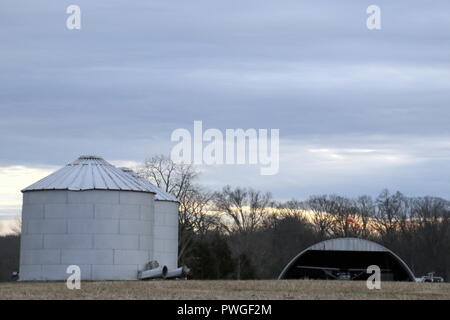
(138, 70)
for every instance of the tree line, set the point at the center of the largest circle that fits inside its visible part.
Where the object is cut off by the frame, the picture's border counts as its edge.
(243, 233)
(9, 256)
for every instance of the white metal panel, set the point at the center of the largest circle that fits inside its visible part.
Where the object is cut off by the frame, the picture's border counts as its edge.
(91, 226)
(46, 226)
(137, 257)
(40, 256)
(87, 257)
(68, 241)
(33, 241)
(113, 241)
(59, 272)
(115, 272)
(30, 272)
(32, 211)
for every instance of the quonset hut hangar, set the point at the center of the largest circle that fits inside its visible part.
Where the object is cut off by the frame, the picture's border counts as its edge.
(106, 220)
(346, 259)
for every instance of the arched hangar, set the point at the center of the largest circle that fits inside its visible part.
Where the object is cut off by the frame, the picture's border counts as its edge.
(346, 259)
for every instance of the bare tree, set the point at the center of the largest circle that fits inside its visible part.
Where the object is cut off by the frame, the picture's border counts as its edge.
(243, 211)
(245, 207)
(391, 214)
(16, 227)
(335, 216)
(321, 219)
(195, 218)
(366, 212)
(179, 180)
(430, 225)
(293, 209)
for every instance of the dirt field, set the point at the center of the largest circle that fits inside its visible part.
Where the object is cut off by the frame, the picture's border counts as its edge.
(286, 289)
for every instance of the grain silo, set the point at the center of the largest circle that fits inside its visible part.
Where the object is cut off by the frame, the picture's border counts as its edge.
(165, 236)
(90, 214)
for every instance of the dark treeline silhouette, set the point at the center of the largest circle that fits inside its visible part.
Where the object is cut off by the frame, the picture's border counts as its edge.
(9, 256)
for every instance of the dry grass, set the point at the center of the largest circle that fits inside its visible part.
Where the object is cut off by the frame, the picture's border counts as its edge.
(274, 289)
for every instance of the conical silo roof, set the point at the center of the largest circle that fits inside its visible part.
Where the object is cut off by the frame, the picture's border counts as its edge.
(160, 193)
(90, 173)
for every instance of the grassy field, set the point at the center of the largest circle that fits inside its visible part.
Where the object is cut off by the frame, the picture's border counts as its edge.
(274, 289)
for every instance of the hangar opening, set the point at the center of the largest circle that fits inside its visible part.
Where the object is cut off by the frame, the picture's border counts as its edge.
(346, 259)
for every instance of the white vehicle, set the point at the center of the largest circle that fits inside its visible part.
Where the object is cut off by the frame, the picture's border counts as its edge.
(430, 278)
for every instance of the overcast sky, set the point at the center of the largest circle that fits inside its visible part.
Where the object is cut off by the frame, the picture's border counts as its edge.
(358, 110)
